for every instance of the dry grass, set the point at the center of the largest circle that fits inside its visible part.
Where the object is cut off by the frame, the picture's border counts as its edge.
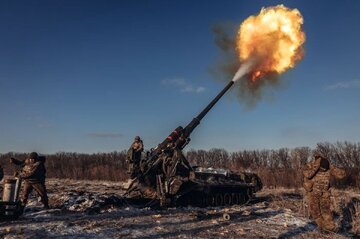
(281, 198)
(356, 218)
(346, 204)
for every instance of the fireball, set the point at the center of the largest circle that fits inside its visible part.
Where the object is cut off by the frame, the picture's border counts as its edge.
(273, 40)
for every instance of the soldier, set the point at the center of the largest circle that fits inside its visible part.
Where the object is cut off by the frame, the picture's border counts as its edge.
(316, 183)
(33, 175)
(174, 162)
(1, 173)
(134, 157)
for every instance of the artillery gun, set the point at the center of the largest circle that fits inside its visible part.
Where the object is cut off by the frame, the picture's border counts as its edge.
(167, 178)
(10, 205)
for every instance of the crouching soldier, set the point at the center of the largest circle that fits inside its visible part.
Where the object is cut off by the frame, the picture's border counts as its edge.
(317, 184)
(33, 175)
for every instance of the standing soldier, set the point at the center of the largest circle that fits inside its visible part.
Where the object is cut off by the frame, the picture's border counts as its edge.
(316, 183)
(134, 157)
(33, 175)
(1, 173)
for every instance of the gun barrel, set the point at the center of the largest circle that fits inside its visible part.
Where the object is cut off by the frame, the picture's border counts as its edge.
(196, 121)
(183, 133)
(214, 101)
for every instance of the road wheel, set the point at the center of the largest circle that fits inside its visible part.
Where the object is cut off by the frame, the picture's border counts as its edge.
(227, 199)
(235, 198)
(219, 200)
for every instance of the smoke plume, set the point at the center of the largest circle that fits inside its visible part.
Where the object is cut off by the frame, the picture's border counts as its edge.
(228, 67)
(265, 46)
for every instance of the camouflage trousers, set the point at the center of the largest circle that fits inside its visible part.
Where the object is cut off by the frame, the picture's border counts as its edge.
(134, 170)
(40, 188)
(319, 208)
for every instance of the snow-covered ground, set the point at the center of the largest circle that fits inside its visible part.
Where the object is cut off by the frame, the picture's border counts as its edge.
(93, 209)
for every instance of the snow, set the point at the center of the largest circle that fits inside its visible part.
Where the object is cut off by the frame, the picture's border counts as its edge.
(91, 209)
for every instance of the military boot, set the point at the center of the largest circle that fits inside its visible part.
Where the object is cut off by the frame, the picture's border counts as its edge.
(328, 222)
(319, 222)
(331, 226)
(45, 203)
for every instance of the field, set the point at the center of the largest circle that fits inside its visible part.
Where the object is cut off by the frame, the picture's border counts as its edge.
(95, 209)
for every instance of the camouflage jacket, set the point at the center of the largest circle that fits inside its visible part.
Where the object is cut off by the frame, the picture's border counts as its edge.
(134, 153)
(317, 180)
(138, 146)
(1, 173)
(34, 172)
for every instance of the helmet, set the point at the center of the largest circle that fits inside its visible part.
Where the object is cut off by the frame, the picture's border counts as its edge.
(33, 155)
(137, 138)
(319, 155)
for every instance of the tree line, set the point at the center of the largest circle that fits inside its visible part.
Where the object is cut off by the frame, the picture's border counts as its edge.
(277, 168)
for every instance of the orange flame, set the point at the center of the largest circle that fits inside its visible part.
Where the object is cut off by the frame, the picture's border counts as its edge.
(273, 38)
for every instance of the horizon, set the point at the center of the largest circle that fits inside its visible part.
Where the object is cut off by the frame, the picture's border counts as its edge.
(186, 149)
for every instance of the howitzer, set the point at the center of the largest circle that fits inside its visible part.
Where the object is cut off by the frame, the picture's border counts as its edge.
(166, 175)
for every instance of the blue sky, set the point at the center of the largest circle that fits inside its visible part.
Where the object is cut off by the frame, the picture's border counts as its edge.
(87, 76)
